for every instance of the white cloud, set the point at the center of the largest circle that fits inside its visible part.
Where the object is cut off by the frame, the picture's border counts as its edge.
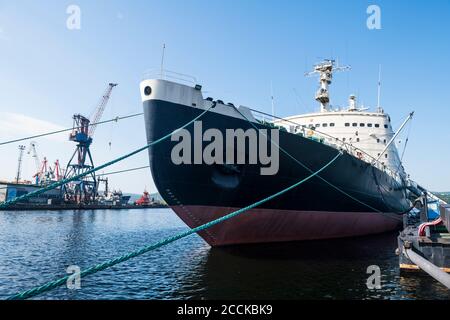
(16, 125)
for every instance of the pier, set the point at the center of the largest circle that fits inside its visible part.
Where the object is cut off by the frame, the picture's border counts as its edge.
(424, 243)
(74, 206)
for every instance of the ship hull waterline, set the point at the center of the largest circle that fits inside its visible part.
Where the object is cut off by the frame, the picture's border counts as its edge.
(353, 199)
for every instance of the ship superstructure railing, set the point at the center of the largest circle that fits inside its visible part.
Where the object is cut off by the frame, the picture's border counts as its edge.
(325, 138)
(164, 74)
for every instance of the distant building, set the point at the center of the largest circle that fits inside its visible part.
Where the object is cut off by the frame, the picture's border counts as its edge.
(156, 197)
(9, 191)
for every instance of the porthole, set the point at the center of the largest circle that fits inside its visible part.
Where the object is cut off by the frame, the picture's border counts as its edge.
(148, 90)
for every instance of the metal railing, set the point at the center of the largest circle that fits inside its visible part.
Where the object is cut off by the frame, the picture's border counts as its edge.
(165, 74)
(329, 140)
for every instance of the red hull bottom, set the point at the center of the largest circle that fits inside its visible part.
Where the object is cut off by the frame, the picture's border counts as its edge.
(268, 225)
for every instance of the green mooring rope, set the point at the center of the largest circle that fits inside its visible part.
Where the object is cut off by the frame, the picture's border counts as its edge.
(54, 284)
(399, 218)
(55, 185)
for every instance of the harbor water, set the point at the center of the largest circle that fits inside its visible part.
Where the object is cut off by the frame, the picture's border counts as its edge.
(38, 246)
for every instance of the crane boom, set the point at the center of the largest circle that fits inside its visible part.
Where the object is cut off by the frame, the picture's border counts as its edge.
(100, 109)
(32, 149)
(84, 189)
(19, 163)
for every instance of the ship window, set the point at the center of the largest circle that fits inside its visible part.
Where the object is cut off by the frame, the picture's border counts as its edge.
(361, 124)
(378, 155)
(386, 126)
(385, 155)
(347, 124)
(384, 141)
(357, 139)
(331, 124)
(148, 90)
(343, 139)
(378, 141)
(377, 125)
(354, 124)
(369, 125)
(325, 125)
(318, 125)
(311, 126)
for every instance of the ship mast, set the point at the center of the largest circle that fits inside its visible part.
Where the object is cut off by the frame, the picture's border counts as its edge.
(325, 70)
(379, 109)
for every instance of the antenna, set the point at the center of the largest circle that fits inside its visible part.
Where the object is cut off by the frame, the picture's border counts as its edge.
(271, 97)
(162, 60)
(325, 71)
(379, 88)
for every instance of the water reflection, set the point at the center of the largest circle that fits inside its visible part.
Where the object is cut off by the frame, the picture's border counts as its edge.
(38, 246)
(332, 269)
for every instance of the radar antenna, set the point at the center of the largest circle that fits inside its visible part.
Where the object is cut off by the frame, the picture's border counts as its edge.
(325, 71)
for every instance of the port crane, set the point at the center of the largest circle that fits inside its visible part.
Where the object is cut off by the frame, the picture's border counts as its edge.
(44, 172)
(19, 163)
(84, 190)
(39, 170)
(56, 171)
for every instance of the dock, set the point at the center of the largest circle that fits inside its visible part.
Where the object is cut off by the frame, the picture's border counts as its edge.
(58, 207)
(424, 243)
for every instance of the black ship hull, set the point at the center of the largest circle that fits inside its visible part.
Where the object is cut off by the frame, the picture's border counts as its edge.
(354, 198)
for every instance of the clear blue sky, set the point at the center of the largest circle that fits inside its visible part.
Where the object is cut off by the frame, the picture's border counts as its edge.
(235, 49)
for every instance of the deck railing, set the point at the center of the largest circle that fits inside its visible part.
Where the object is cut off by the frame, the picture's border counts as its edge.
(165, 74)
(327, 139)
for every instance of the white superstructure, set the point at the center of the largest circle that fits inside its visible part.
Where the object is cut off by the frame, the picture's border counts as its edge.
(366, 133)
